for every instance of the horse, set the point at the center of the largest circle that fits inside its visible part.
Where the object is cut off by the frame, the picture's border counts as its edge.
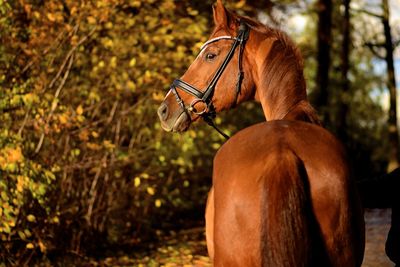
(282, 192)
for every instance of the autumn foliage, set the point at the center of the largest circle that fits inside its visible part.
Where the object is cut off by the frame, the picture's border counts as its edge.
(82, 155)
(84, 164)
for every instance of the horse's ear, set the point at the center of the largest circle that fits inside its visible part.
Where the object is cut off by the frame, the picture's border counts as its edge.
(221, 15)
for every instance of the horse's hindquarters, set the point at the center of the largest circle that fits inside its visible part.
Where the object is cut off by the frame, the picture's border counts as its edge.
(240, 180)
(237, 220)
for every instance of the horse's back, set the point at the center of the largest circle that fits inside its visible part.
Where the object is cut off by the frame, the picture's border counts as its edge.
(315, 146)
(244, 164)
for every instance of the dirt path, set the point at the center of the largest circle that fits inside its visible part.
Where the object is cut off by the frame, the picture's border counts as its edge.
(188, 248)
(377, 224)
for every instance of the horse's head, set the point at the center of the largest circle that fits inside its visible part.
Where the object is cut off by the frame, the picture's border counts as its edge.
(215, 81)
(234, 66)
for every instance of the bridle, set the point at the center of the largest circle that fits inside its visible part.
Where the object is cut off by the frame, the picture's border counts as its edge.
(205, 96)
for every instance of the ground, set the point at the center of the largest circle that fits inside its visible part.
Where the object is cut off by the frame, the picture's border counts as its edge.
(188, 248)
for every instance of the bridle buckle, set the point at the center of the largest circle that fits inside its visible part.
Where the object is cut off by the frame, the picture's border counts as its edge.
(195, 101)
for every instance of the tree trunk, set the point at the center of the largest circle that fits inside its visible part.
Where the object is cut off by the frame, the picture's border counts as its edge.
(344, 107)
(391, 83)
(324, 9)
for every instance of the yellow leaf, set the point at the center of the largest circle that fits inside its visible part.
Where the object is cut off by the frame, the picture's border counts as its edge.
(147, 74)
(131, 86)
(30, 98)
(79, 110)
(150, 190)
(56, 220)
(11, 223)
(113, 62)
(27, 233)
(74, 10)
(14, 155)
(20, 183)
(51, 17)
(157, 203)
(132, 63)
(240, 4)
(157, 96)
(108, 144)
(216, 145)
(74, 40)
(42, 247)
(93, 146)
(95, 134)
(192, 12)
(31, 218)
(21, 235)
(63, 118)
(137, 181)
(30, 246)
(36, 14)
(80, 118)
(91, 20)
(109, 25)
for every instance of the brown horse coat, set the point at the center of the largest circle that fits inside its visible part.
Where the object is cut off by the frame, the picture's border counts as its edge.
(282, 196)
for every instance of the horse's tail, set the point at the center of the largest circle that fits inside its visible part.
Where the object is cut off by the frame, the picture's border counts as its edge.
(285, 238)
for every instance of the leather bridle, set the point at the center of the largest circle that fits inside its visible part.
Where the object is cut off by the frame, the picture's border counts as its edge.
(205, 96)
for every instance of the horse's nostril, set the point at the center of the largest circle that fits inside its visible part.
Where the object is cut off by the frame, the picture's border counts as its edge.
(163, 111)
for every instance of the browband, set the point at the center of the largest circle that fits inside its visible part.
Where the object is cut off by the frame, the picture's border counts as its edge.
(224, 37)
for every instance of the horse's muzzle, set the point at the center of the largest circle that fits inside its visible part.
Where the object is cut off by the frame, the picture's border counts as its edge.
(163, 111)
(178, 121)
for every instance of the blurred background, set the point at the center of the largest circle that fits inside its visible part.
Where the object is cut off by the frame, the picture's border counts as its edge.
(87, 175)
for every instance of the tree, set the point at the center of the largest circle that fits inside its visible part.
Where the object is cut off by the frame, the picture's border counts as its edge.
(324, 10)
(345, 66)
(388, 45)
(394, 156)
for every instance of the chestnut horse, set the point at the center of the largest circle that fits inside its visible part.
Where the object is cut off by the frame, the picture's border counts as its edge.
(282, 193)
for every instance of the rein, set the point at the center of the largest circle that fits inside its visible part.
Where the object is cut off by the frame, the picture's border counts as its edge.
(205, 96)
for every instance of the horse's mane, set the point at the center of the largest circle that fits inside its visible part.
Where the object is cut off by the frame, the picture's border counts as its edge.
(280, 36)
(284, 69)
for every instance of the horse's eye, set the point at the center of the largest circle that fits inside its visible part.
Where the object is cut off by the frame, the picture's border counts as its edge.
(210, 56)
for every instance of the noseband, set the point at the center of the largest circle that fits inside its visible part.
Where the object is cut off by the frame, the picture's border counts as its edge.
(205, 96)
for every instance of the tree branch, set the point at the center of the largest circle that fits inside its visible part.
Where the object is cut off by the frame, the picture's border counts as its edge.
(372, 47)
(68, 58)
(54, 103)
(396, 43)
(368, 13)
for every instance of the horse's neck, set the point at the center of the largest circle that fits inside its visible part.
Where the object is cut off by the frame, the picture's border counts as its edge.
(281, 87)
(286, 109)
(283, 104)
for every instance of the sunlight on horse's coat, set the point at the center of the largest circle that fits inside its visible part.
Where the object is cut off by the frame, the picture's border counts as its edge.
(282, 193)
